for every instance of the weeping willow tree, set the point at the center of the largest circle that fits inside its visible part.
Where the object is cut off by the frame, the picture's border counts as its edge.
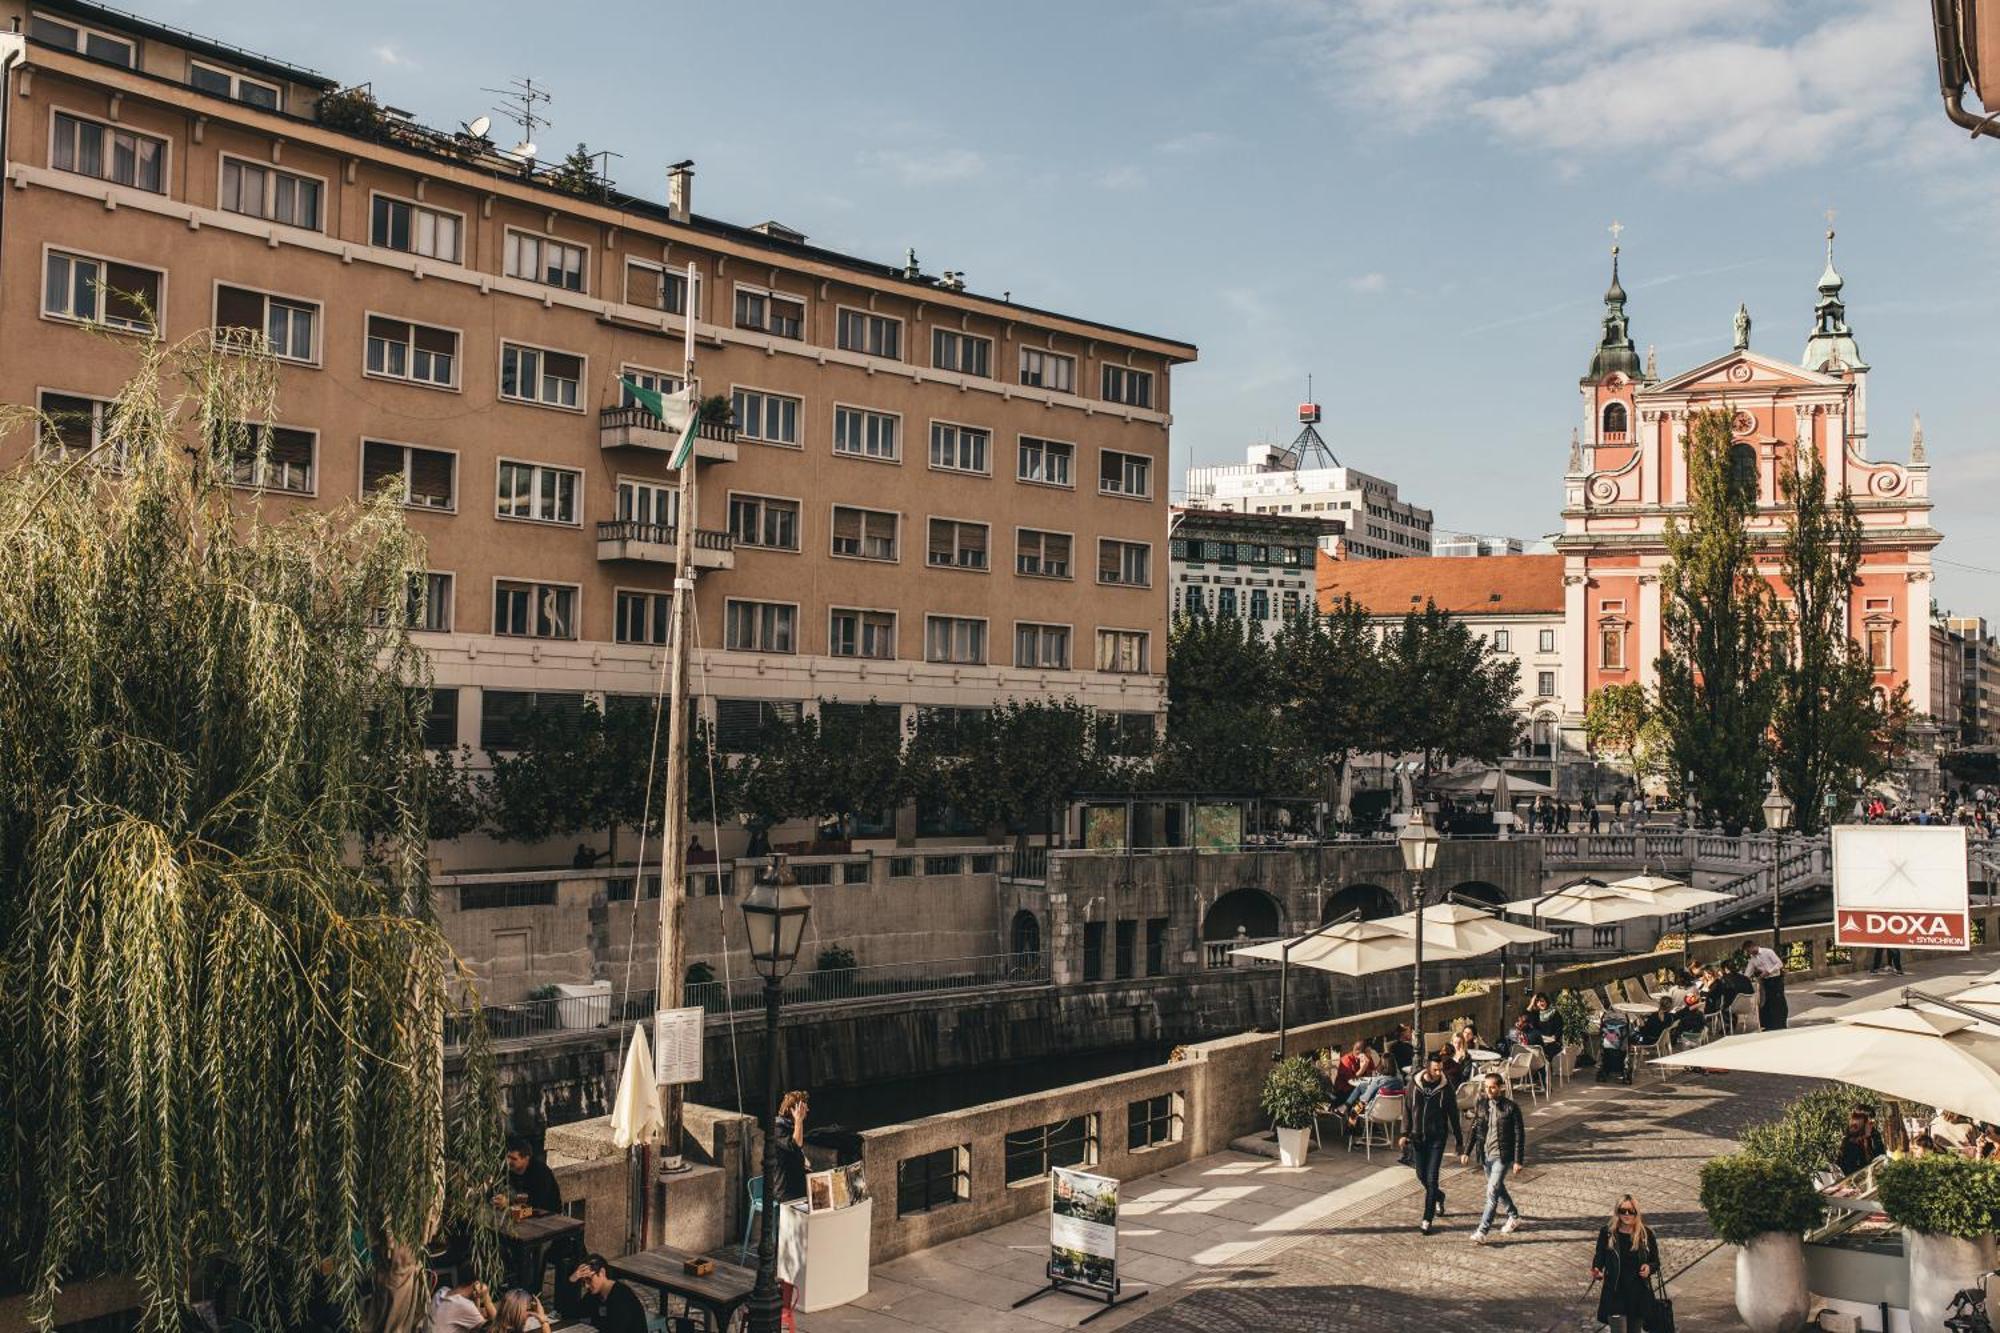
(222, 990)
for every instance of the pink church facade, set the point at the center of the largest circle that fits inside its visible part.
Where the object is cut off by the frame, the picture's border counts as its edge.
(1627, 476)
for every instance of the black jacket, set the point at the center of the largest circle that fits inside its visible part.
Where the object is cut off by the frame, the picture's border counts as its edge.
(1429, 1114)
(539, 1184)
(1625, 1292)
(1513, 1133)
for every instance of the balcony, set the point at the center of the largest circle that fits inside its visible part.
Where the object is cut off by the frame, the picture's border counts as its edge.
(634, 427)
(653, 543)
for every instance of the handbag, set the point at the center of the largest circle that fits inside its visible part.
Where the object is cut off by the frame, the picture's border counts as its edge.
(1660, 1319)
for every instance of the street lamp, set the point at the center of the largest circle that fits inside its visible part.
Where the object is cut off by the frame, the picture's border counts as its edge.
(1418, 842)
(1777, 818)
(774, 918)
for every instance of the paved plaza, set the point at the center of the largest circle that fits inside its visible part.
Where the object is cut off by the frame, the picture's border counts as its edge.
(1238, 1242)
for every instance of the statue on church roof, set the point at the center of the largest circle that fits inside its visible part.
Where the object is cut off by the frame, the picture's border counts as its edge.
(1575, 453)
(1742, 327)
(1917, 439)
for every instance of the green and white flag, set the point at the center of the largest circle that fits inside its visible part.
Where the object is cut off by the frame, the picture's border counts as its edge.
(676, 410)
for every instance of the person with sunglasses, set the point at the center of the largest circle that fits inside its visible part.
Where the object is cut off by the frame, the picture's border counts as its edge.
(1626, 1261)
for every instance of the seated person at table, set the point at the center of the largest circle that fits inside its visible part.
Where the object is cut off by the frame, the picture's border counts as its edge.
(612, 1306)
(1690, 1023)
(1366, 1089)
(1402, 1050)
(1654, 1025)
(1548, 1023)
(1357, 1062)
(1523, 1036)
(529, 1175)
(1458, 1060)
(520, 1313)
(461, 1309)
(1861, 1144)
(1950, 1131)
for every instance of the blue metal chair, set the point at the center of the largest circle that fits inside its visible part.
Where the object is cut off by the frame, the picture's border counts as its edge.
(755, 1189)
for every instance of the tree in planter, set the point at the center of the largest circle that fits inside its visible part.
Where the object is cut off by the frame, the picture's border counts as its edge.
(1808, 1131)
(202, 705)
(1949, 1207)
(1766, 1207)
(578, 174)
(1447, 694)
(1292, 1091)
(1830, 730)
(1715, 685)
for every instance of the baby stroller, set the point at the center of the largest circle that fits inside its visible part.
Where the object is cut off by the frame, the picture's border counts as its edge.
(1615, 1035)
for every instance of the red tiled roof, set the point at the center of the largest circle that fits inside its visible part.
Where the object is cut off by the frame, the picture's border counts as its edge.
(1464, 585)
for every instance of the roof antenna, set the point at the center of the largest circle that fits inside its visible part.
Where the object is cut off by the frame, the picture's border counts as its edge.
(1310, 448)
(518, 102)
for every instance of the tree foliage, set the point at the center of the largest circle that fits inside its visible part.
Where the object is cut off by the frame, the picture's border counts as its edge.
(1010, 764)
(578, 771)
(222, 1034)
(1714, 680)
(1332, 691)
(1224, 733)
(578, 174)
(1446, 694)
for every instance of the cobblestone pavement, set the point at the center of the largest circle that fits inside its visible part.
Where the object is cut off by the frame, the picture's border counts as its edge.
(1371, 1270)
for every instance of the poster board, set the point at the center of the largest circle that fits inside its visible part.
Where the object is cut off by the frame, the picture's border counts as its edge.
(1218, 828)
(1104, 828)
(1083, 1230)
(836, 1188)
(677, 1042)
(1900, 886)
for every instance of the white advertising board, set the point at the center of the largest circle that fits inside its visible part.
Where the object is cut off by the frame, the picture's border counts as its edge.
(1900, 886)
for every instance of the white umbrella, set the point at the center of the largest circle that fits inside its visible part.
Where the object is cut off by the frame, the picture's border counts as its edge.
(1503, 785)
(1456, 926)
(1915, 1054)
(1344, 803)
(1672, 895)
(636, 1115)
(1588, 904)
(1352, 949)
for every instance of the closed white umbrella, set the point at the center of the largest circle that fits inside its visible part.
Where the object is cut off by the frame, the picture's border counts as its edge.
(1917, 1054)
(636, 1115)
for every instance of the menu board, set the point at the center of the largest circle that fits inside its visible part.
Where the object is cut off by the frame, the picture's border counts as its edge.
(677, 1040)
(1083, 1229)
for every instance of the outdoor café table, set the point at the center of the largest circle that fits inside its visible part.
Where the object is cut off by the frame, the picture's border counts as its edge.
(1480, 1055)
(721, 1294)
(526, 1241)
(1636, 1010)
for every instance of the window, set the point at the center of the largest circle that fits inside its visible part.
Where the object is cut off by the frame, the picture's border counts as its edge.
(93, 42)
(429, 606)
(653, 503)
(240, 87)
(534, 610)
(955, 639)
(1093, 951)
(273, 458)
(770, 417)
(545, 260)
(260, 191)
(1048, 370)
(1878, 647)
(441, 718)
(1122, 650)
(399, 225)
(932, 1180)
(1153, 1121)
(1032, 1152)
(1614, 421)
(79, 424)
(1743, 470)
(1260, 604)
(644, 617)
(502, 713)
(1502, 640)
(491, 897)
(287, 328)
(1545, 641)
(123, 157)
(1133, 388)
(1124, 949)
(774, 313)
(537, 492)
(1042, 555)
(871, 335)
(1126, 734)
(962, 352)
(740, 724)
(760, 627)
(865, 534)
(864, 434)
(1545, 684)
(1225, 602)
(657, 287)
(1129, 563)
(657, 380)
(958, 448)
(1611, 647)
(956, 545)
(101, 291)
(400, 349)
(759, 520)
(861, 634)
(1124, 474)
(1043, 646)
(534, 375)
(1045, 462)
(1156, 945)
(422, 478)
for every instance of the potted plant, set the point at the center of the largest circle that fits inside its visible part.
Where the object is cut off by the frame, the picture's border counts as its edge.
(1292, 1092)
(1766, 1207)
(1947, 1206)
(1575, 1018)
(833, 972)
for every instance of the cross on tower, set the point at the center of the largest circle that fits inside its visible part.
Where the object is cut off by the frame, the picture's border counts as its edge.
(1615, 228)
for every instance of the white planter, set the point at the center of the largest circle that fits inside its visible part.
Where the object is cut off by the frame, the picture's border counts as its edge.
(1771, 1293)
(1293, 1144)
(584, 1006)
(1940, 1267)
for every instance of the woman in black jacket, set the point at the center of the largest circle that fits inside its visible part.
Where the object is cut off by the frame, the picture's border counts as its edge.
(1627, 1258)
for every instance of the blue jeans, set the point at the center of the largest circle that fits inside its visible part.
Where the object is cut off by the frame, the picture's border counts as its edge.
(1496, 1192)
(1428, 1158)
(1364, 1090)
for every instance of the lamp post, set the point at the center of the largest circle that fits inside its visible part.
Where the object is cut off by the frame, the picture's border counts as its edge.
(1777, 818)
(1418, 842)
(774, 919)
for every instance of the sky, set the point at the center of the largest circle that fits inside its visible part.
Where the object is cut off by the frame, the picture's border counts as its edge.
(1406, 200)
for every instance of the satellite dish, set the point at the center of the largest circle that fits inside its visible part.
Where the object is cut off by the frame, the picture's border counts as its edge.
(525, 148)
(477, 129)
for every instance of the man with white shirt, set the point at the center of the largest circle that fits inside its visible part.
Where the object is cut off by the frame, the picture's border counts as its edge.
(1768, 971)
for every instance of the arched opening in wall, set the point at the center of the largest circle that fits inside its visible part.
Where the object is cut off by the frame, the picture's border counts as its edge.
(1743, 470)
(1479, 891)
(1615, 421)
(1025, 939)
(1251, 913)
(1371, 900)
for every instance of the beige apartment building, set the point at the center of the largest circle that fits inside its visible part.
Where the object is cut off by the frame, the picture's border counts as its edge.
(926, 497)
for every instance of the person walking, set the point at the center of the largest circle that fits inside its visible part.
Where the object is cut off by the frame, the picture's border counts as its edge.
(1430, 1114)
(1499, 1146)
(1626, 1260)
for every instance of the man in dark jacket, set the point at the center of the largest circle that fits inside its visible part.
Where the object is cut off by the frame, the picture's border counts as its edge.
(1499, 1145)
(1430, 1114)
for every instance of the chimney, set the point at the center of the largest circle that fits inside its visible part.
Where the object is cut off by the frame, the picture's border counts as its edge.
(680, 189)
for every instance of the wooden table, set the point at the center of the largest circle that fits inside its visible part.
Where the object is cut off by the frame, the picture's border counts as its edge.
(527, 1240)
(721, 1294)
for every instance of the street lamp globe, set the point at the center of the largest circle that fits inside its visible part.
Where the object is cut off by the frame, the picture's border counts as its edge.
(1419, 843)
(1777, 810)
(774, 918)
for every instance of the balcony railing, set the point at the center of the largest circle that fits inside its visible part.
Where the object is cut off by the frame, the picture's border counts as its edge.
(657, 543)
(633, 427)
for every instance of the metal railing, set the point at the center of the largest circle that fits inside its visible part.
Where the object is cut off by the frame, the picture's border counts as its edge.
(631, 414)
(661, 534)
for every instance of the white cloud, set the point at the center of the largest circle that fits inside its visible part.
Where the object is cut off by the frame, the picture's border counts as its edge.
(1368, 283)
(389, 55)
(930, 167)
(1195, 141)
(1125, 177)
